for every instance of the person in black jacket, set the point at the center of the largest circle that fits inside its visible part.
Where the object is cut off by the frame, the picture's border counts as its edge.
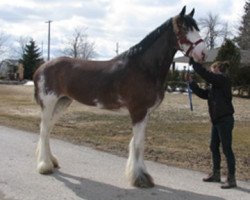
(221, 110)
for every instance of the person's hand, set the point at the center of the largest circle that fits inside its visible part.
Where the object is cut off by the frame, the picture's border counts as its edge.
(192, 61)
(188, 77)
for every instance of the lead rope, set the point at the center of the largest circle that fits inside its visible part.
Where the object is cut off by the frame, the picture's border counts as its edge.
(189, 91)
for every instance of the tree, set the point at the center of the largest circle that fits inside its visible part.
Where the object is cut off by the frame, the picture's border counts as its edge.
(3, 40)
(20, 49)
(78, 45)
(244, 76)
(31, 59)
(230, 52)
(213, 29)
(243, 39)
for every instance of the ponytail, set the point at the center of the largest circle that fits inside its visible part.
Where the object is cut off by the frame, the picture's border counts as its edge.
(223, 66)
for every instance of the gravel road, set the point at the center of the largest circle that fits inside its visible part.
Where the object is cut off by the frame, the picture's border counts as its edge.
(93, 175)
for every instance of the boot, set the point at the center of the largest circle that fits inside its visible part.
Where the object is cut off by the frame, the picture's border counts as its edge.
(230, 182)
(213, 177)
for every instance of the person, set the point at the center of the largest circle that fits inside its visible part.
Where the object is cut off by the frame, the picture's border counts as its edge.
(221, 110)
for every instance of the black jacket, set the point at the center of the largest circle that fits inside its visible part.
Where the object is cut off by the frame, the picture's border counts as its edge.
(219, 94)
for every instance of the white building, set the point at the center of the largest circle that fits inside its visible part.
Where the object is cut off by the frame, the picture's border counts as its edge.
(8, 67)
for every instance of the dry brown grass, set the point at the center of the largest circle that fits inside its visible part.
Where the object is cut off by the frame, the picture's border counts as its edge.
(175, 135)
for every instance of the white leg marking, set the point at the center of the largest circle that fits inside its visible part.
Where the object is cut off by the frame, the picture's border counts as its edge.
(44, 156)
(135, 164)
(45, 160)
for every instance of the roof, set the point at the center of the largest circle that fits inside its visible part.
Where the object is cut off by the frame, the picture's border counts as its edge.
(212, 53)
(10, 62)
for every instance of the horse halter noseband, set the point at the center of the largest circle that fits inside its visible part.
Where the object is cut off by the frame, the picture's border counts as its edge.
(183, 40)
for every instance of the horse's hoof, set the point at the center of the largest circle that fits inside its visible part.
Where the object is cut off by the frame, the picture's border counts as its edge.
(44, 168)
(144, 180)
(55, 162)
(56, 165)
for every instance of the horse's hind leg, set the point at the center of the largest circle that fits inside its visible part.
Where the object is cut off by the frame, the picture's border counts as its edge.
(44, 162)
(60, 106)
(136, 169)
(51, 111)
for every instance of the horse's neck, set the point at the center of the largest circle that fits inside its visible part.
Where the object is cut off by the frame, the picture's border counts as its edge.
(158, 59)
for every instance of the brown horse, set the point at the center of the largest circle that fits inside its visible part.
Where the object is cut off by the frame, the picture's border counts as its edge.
(133, 80)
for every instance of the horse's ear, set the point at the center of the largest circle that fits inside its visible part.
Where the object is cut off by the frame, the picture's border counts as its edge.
(191, 14)
(182, 13)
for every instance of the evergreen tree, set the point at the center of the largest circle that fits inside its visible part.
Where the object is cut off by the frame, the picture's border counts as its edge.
(229, 52)
(244, 31)
(31, 59)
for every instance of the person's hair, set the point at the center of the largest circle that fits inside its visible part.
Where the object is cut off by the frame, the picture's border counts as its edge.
(223, 65)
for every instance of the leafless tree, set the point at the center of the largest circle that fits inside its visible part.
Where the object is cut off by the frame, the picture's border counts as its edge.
(23, 41)
(214, 29)
(3, 40)
(19, 49)
(78, 46)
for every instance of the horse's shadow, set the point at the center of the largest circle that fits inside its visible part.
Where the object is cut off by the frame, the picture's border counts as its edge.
(92, 190)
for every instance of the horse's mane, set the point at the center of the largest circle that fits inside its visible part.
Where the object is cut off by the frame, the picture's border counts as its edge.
(149, 39)
(188, 22)
(145, 43)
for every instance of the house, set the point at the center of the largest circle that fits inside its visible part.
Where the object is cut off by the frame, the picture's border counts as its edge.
(8, 69)
(212, 53)
(245, 58)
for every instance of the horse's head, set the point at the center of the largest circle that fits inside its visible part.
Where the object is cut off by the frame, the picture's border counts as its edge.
(188, 37)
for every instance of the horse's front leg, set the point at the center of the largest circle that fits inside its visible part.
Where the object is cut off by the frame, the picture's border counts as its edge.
(136, 169)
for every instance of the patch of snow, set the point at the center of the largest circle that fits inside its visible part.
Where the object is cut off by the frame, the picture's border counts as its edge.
(29, 83)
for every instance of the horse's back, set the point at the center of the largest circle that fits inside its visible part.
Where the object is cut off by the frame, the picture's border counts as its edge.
(78, 79)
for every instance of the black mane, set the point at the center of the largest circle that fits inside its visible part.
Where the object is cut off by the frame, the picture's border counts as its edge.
(148, 40)
(145, 43)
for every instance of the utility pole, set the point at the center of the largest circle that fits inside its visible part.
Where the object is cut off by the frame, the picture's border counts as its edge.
(117, 48)
(48, 39)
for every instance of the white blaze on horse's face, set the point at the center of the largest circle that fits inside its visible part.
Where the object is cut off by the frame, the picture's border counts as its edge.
(188, 37)
(198, 51)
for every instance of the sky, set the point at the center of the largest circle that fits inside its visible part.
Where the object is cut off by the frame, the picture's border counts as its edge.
(107, 22)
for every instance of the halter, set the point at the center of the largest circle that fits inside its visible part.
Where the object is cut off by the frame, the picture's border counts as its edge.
(183, 40)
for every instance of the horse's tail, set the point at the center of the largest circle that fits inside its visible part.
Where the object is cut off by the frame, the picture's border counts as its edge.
(36, 98)
(37, 78)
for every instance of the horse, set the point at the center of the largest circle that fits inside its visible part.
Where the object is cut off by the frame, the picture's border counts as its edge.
(133, 80)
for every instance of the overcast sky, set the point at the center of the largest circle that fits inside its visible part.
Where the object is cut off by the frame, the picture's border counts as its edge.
(107, 21)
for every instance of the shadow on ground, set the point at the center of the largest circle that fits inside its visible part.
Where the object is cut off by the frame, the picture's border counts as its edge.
(92, 190)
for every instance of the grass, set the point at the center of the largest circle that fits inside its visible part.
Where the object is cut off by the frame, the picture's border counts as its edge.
(175, 135)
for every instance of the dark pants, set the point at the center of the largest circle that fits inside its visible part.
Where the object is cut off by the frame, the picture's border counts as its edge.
(222, 133)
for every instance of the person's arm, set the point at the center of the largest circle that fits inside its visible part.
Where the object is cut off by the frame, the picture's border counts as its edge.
(210, 77)
(195, 88)
(202, 93)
